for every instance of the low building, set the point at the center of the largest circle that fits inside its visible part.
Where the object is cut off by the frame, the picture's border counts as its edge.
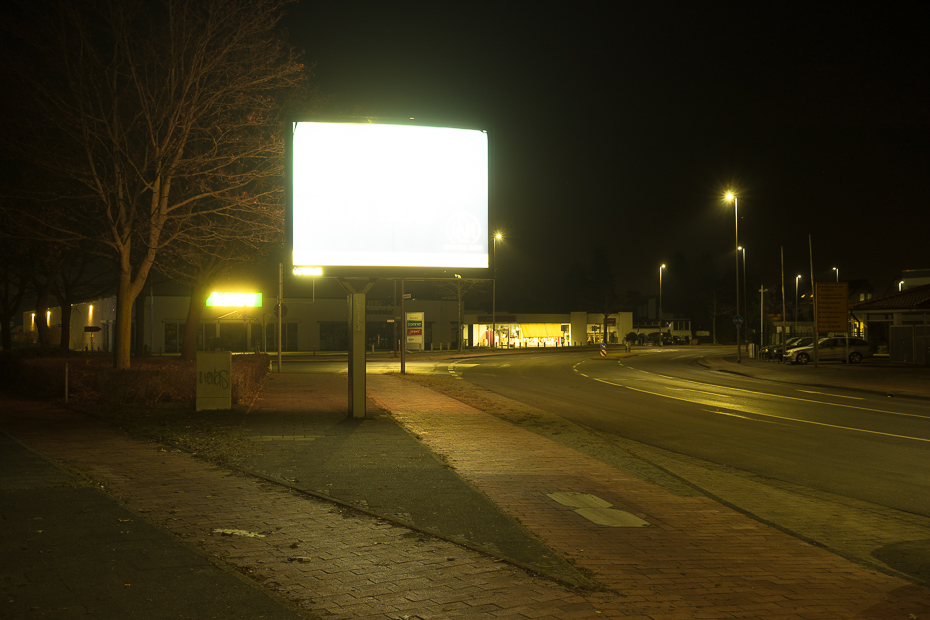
(574, 329)
(898, 323)
(317, 324)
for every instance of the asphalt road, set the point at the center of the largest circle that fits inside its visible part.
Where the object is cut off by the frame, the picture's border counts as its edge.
(847, 443)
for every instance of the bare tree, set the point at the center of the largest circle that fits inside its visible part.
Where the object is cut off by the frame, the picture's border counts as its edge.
(225, 242)
(157, 113)
(80, 278)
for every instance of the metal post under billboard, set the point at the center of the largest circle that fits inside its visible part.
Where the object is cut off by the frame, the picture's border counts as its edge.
(403, 331)
(357, 383)
(355, 300)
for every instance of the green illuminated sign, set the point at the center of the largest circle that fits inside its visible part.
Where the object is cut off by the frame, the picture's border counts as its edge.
(234, 300)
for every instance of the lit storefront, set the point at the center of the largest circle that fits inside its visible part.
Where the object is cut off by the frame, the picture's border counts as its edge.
(545, 330)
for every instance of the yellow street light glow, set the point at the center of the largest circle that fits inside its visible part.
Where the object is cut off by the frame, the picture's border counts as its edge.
(498, 236)
(730, 196)
(234, 300)
(308, 271)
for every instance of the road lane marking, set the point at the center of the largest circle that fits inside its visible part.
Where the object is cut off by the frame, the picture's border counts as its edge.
(700, 391)
(736, 415)
(804, 400)
(779, 417)
(833, 395)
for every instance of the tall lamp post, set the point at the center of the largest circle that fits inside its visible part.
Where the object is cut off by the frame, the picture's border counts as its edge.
(732, 196)
(661, 327)
(745, 303)
(796, 280)
(837, 270)
(497, 237)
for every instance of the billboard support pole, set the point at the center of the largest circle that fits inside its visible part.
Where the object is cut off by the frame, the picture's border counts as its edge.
(356, 310)
(280, 309)
(403, 331)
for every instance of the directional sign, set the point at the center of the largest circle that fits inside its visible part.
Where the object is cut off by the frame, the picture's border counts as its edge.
(738, 320)
(603, 349)
(91, 328)
(832, 307)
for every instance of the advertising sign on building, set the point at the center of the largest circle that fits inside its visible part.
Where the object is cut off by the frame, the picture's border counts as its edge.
(414, 326)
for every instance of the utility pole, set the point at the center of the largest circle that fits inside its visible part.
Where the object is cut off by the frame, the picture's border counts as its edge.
(762, 291)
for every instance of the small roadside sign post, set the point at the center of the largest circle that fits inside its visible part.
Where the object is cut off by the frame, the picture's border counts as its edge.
(91, 329)
(214, 384)
(603, 349)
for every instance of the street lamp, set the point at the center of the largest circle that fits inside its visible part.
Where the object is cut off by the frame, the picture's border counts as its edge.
(661, 339)
(837, 270)
(497, 237)
(731, 196)
(796, 280)
(745, 303)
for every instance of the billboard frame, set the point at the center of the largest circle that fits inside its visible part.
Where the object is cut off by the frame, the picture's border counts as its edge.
(396, 271)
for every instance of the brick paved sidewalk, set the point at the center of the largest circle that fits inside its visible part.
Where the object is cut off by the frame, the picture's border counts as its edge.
(333, 562)
(695, 559)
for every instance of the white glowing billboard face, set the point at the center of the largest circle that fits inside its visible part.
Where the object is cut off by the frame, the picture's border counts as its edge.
(382, 195)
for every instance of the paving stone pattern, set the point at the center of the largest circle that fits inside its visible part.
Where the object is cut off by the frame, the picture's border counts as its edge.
(696, 559)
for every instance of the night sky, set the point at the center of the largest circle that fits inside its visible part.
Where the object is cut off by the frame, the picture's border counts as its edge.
(622, 125)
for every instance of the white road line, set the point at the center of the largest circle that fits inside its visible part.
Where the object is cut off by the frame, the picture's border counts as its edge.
(736, 415)
(770, 415)
(700, 391)
(805, 400)
(833, 395)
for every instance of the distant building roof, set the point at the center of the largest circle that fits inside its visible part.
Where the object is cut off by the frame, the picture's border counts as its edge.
(917, 298)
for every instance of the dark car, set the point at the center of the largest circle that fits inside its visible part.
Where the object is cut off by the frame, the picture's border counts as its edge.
(777, 352)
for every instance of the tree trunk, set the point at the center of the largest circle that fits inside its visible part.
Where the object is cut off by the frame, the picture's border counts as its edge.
(122, 330)
(139, 344)
(194, 314)
(42, 326)
(65, 341)
(127, 289)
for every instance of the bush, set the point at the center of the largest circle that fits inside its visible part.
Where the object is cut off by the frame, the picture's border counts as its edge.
(92, 379)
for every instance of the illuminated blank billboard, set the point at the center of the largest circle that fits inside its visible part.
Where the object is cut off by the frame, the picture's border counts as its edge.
(366, 194)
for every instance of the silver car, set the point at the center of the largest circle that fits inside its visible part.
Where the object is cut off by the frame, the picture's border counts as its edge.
(831, 349)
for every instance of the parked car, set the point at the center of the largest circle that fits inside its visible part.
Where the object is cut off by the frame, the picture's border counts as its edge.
(831, 349)
(776, 352)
